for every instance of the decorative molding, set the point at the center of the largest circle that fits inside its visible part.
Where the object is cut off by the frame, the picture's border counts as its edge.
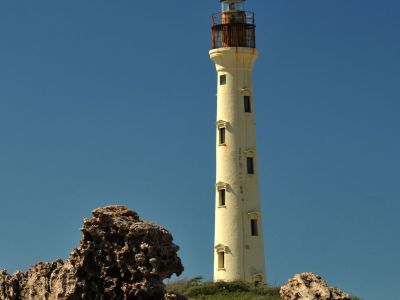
(250, 152)
(258, 277)
(222, 186)
(222, 124)
(253, 214)
(221, 248)
(246, 90)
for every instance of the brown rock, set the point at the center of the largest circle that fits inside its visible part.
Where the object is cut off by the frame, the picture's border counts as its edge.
(9, 287)
(119, 257)
(309, 286)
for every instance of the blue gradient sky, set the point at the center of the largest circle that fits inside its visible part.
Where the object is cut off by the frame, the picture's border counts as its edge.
(113, 102)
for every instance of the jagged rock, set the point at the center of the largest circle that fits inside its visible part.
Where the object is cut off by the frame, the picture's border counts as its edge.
(309, 286)
(119, 257)
(9, 288)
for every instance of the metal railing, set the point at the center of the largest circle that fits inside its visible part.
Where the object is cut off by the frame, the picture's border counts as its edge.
(233, 29)
(243, 17)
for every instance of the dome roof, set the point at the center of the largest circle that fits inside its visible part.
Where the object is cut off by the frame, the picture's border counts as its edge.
(232, 1)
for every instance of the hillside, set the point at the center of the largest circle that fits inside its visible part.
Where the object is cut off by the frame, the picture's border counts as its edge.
(195, 289)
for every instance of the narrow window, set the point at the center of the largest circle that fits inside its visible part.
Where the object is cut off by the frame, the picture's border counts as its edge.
(254, 227)
(221, 197)
(222, 79)
(247, 105)
(221, 260)
(222, 136)
(250, 165)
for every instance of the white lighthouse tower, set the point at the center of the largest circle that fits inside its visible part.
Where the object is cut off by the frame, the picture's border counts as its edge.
(239, 247)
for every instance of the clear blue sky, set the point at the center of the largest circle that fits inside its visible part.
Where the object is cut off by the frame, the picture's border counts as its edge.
(113, 102)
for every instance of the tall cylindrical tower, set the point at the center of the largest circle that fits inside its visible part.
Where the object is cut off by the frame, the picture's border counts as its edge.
(239, 247)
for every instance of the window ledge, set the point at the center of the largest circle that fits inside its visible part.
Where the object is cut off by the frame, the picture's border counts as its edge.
(224, 145)
(221, 206)
(221, 269)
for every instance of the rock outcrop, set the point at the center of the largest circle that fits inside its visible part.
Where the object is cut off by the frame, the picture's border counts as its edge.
(119, 257)
(309, 286)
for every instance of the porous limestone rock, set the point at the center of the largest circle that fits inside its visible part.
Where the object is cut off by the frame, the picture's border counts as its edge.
(309, 286)
(119, 257)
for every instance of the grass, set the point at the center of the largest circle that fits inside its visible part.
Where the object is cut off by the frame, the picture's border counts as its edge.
(196, 289)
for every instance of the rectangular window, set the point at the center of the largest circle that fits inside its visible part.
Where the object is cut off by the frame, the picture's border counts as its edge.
(254, 227)
(250, 165)
(221, 260)
(247, 104)
(222, 135)
(222, 79)
(221, 197)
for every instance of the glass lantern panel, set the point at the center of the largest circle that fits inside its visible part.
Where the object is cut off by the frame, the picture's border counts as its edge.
(232, 6)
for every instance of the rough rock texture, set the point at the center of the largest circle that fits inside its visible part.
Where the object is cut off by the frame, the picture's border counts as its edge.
(119, 257)
(309, 286)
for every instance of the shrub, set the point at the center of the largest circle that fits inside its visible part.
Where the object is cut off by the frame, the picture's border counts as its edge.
(266, 290)
(219, 287)
(184, 285)
(220, 290)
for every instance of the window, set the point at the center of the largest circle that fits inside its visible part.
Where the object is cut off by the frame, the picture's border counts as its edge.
(257, 279)
(247, 104)
(250, 165)
(222, 188)
(222, 79)
(254, 227)
(222, 136)
(232, 6)
(221, 260)
(221, 250)
(221, 197)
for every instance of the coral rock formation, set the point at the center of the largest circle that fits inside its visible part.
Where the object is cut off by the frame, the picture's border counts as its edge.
(119, 257)
(309, 286)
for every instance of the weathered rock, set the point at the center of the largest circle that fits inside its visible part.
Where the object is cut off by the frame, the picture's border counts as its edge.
(309, 286)
(119, 257)
(9, 287)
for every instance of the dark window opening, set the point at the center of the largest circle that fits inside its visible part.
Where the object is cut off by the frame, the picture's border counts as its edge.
(222, 79)
(222, 135)
(254, 227)
(247, 104)
(221, 197)
(221, 260)
(250, 165)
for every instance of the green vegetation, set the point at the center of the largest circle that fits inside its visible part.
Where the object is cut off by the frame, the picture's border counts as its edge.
(195, 289)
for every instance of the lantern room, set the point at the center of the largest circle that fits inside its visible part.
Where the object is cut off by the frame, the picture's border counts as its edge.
(233, 26)
(232, 5)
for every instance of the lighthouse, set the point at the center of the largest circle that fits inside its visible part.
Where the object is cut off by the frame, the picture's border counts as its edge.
(239, 246)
